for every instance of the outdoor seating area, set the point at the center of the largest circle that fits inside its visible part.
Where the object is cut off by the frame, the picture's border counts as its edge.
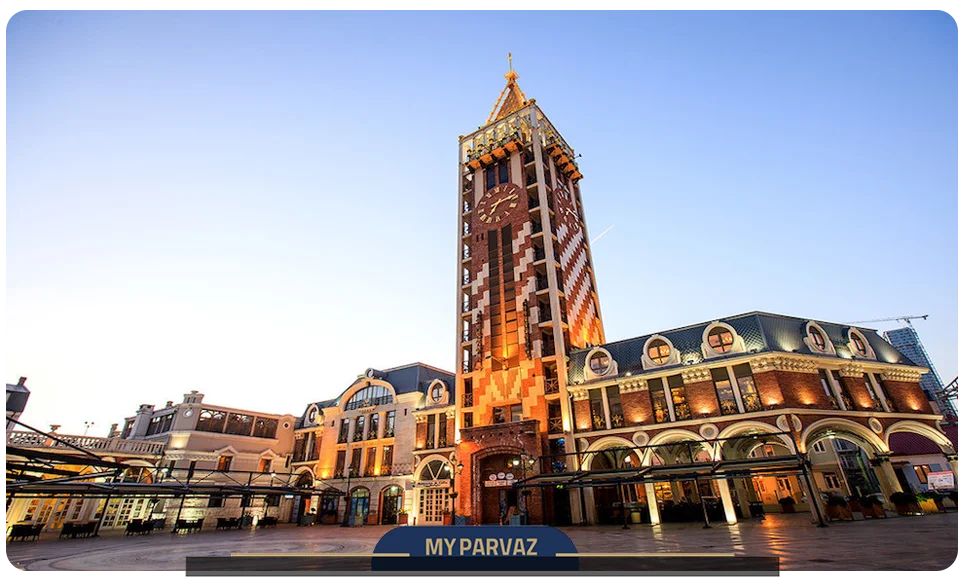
(142, 526)
(78, 529)
(188, 526)
(268, 522)
(234, 523)
(24, 531)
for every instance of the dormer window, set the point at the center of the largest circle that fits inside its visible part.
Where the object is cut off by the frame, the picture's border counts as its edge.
(437, 394)
(599, 363)
(859, 344)
(720, 339)
(817, 338)
(658, 351)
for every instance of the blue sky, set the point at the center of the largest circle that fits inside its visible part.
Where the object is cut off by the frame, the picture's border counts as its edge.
(261, 205)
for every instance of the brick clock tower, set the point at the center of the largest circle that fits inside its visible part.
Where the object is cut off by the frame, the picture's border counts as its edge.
(527, 295)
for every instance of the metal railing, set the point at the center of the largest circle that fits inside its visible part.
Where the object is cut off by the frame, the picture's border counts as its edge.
(555, 425)
(542, 283)
(468, 399)
(552, 385)
(368, 402)
(466, 336)
(26, 439)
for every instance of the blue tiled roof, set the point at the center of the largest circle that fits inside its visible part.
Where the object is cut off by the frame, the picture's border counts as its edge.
(760, 331)
(405, 379)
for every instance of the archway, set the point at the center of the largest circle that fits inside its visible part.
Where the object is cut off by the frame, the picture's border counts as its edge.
(391, 502)
(358, 506)
(917, 450)
(433, 481)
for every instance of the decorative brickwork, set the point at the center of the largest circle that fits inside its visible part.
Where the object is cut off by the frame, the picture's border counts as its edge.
(908, 396)
(701, 396)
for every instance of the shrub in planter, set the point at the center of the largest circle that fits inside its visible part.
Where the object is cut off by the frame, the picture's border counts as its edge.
(447, 517)
(402, 517)
(787, 504)
(930, 502)
(837, 509)
(871, 507)
(906, 503)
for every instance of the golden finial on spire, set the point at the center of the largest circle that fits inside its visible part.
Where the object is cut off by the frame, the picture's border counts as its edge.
(511, 75)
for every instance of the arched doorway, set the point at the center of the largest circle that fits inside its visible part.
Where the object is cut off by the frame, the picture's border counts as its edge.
(611, 500)
(499, 499)
(391, 503)
(360, 498)
(847, 460)
(434, 481)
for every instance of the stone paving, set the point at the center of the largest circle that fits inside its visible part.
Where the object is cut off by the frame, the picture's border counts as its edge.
(904, 543)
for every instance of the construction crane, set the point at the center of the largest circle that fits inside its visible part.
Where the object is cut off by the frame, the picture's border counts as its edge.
(906, 319)
(945, 396)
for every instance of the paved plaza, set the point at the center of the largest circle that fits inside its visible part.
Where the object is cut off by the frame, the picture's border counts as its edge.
(904, 543)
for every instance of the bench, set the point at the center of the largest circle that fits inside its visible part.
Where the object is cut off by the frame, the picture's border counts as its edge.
(139, 527)
(268, 522)
(24, 531)
(75, 529)
(188, 526)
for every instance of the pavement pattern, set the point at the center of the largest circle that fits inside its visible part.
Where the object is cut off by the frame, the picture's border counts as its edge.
(899, 543)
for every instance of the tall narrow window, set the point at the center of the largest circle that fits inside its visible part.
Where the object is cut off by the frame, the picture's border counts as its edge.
(724, 391)
(657, 397)
(343, 431)
(596, 410)
(615, 406)
(747, 387)
(388, 453)
(883, 390)
(389, 424)
(515, 412)
(873, 395)
(370, 461)
(356, 461)
(828, 392)
(224, 463)
(339, 465)
(844, 394)
(467, 419)
(373, 426)
(499, 414)
(443, 441)
(680, 405)
(503, 172)
(359, 433)
(430, 433)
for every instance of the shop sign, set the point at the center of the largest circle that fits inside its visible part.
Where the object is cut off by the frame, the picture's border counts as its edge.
(940, 480)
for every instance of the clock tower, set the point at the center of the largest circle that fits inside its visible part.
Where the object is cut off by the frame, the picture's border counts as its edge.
(527, 295)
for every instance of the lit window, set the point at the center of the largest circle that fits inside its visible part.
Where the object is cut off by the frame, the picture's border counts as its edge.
(437, 394)
(724, 391)
(831, 481)
(922, 473)
(599, 363)
(859, 344)
(720, 339)
(816, 337)
(819, 447)
(224, 463)
(658, 351)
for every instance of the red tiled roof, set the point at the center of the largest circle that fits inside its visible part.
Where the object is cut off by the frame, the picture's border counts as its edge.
(911, 444)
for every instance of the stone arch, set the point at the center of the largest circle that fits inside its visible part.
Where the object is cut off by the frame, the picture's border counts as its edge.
(670, 436)
(362, 384)
(605, 444)
(428, 460)
(751, 427)
(931, 433)
(851, 431)
(305, 478)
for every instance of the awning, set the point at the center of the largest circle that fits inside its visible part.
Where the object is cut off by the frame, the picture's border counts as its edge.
(132, 489)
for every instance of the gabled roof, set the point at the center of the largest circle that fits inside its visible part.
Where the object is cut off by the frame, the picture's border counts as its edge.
(760, 331)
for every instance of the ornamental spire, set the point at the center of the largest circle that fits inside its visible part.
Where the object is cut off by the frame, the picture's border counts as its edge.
(511, 99)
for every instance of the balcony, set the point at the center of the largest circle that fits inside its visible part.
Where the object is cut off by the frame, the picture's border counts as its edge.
(552, 385)
(545, 315)
(468, 399)
(343, 438)
(466, 279)
(373, 433)
(539, 254)
(466, 230)
(430, 443)
(555, 425)
(117, 445)
(466, 366)
(466, 253)
(466, 336)
(466, 307)
(358, 436)
(466, 207)
(533, 203)
(385, 399)
(542, 283)
(389, 432)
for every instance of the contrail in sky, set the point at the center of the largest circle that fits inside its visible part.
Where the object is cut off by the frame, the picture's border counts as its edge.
(599, 236)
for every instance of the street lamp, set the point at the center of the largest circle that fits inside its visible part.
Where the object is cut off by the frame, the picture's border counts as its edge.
(87, 426)
(526, 462)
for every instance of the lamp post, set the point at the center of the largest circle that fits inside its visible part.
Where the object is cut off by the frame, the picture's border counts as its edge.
(347, 521)
(526, 462)
(87, 426)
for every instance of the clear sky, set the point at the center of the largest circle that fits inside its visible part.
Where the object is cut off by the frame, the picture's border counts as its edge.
(261, 205)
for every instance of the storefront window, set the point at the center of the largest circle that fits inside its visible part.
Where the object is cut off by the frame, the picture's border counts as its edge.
(657, 397)
(747, 387)
(724, 391)
(680, 406)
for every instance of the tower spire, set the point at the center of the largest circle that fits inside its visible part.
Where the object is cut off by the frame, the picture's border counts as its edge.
(511, 99)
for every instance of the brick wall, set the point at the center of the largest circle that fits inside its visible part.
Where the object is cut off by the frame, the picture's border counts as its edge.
(908, 396)
(858, 392)
(802, 390)
(637, 408)
(769, 388)
(421, 432)
(702, 398)
(583, 418)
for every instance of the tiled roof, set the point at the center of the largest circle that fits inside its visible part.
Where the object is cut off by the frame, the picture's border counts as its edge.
(405, 379)
(911, 444)
(760, 331)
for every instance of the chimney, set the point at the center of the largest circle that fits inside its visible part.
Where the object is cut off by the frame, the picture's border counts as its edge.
(113, 433)
(22, 381)
(53, 427)
(193, 397)
(168, 405)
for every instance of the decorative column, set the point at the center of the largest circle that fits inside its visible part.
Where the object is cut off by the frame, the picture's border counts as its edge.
(743, 496)
(724, 488)
(887, 478)
(653, 505)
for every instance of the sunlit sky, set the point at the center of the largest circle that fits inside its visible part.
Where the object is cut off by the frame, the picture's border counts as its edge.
(261, 205)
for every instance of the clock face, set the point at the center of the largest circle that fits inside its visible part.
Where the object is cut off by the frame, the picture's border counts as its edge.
(497, 204)
(567, 211)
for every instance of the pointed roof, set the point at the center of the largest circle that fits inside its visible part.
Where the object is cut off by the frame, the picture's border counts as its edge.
(511, 99)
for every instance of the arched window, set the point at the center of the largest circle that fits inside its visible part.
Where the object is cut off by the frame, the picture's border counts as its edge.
(265, 427)
(720, 339)
(369, 396)
(817, 337)
(599, 362)
(859, 344)
(436, 470)
(658, 351)
(210, 420)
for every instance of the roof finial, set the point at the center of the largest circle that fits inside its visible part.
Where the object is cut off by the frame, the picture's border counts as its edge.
(511, 75)
(510, 61)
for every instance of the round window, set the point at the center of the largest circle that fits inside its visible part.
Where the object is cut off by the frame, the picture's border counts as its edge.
(720, 339)
(437, 393)
(816, 337)
(859, 344)
(312, 414)
(599, 362)
(658, 351)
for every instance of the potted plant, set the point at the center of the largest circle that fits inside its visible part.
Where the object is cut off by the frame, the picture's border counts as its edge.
(837, 508)
(930, 502)
(446, 517)
(871, 507)
(906, 503)
(403, 517)
(787, 504)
